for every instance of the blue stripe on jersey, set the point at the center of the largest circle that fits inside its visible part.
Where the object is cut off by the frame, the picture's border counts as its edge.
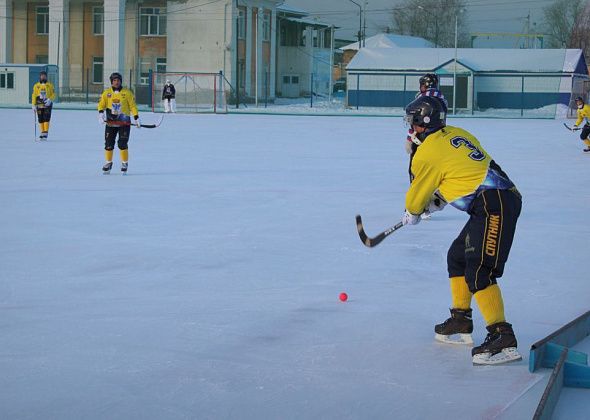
(494, 180)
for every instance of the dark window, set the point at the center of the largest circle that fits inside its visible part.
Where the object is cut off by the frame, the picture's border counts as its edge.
(97, 69)
(42, 20)
(98, 20)
(152, 21)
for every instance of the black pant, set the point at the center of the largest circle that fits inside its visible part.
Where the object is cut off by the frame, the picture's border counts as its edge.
(44, 114)
(481, 249)
(585, 132)
(110, 134)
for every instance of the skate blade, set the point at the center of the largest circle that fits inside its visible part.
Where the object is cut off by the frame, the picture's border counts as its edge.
(507, 355)
(106, 172)
(461, 339)
(425, 216)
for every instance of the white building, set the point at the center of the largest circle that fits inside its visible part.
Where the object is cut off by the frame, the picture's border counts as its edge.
(485, 78)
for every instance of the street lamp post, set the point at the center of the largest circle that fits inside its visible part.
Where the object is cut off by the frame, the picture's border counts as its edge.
(360, 21)
(455, 64)
(455, 67)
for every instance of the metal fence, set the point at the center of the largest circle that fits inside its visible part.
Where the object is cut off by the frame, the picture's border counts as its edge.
(492, 94)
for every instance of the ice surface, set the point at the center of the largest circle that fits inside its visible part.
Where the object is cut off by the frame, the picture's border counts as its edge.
(205, 283)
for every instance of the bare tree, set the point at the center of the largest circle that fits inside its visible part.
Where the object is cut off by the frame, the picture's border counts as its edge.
(433, 20)
(560, 18)
(581, 31)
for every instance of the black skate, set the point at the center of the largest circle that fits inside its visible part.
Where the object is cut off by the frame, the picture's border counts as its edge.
(587, 149)
(124, 167)
(106, 169)
(457, 329)
(498, 347)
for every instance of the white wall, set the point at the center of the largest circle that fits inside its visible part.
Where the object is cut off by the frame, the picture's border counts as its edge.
(195, 37)
(20, 94)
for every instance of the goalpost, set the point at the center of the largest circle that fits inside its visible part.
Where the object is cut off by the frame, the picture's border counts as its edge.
(195, 92)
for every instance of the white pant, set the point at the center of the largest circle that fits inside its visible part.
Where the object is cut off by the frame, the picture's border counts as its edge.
(170, 105)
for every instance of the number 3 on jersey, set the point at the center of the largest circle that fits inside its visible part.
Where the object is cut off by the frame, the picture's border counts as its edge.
(475, 154)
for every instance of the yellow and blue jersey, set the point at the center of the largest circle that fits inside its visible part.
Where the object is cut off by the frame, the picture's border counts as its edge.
(452, 161)
(42, 91)
(118, 104)
(583, 114)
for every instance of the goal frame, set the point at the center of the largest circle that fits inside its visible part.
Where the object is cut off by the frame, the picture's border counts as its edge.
(217, 95)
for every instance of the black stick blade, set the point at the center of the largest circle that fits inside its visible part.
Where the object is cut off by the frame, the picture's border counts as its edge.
(371, 242)
(359, 227)
(571, 128)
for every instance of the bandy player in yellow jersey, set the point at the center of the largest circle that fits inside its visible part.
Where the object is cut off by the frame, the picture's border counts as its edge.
(450, 166)
(119, 104)
(42, 102)
(583, 114)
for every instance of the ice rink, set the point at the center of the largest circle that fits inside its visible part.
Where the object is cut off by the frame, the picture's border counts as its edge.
(205, 283)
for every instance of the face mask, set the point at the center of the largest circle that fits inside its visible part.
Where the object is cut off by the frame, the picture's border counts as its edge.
(580, 106)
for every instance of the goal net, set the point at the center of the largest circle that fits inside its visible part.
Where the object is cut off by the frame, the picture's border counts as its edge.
(195, 92)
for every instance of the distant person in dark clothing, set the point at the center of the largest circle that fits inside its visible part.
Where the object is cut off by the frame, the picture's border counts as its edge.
(168, 96)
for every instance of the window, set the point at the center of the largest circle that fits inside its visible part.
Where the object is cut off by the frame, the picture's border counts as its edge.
(98, 20)
(7, 80)
(286, 80)
(42, 20)
(152, 21)
(241, 24)
(144, 70)
(41, 59)
(97, 70)
(266, 27)
(161, 64)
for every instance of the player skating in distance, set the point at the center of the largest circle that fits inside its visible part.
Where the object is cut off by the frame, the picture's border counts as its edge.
(451, 163)
(42, 102)
(115, 107)
(583, 114)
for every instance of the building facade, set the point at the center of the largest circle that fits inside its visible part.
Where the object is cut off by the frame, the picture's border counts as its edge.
(88, 40)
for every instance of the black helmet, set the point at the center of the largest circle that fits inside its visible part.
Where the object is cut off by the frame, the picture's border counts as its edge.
(429, 80)
(116, 75)
(426, 111)
(579, 99)
(41, 74)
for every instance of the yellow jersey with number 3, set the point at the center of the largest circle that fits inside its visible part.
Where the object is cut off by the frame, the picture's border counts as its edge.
(452, 161)
(118, 103)
(583, 113)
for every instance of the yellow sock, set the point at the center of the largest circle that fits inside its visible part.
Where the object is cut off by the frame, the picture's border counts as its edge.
(491, 304)
(47, 126)
(124, 155)
(42, 127)
(587, 141)
(460, 293)
(108, 155)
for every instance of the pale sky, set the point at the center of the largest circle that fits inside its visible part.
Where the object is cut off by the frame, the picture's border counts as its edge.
(487, 16)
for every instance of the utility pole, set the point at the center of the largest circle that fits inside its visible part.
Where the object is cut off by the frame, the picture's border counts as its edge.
(360, 34)
(528, 30)
(365, 26)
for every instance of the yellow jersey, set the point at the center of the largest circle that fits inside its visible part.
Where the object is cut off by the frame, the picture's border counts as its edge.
(452, 161)
(42, 91)
(583, 113)
(119, 104)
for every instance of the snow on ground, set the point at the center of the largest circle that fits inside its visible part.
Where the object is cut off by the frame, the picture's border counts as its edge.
(205, 283)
